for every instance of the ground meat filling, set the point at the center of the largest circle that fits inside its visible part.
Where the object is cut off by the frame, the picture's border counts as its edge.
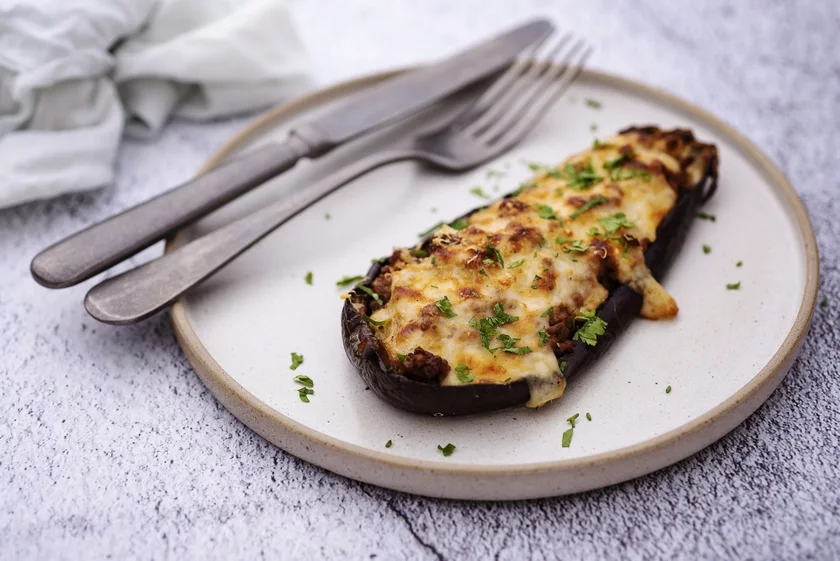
(423, 366)
(560, 324)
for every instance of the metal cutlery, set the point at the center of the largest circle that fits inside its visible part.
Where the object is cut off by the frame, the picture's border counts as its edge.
(502, 116)
(97, 248)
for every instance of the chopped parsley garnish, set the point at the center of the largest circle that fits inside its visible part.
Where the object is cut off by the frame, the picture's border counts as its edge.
(487, 327)
(614, 223)
(544, 336)
(707, 249)
(308, 278)
(482, 272)
(668, 389)
(704, 216)
(739, 264)
(594, 232)
(516, 264)
(464, 374)
(567, 438)
(479, 192)
(583, 178)
(445, 307)
(591, 203)
(733, 286)
(327, 216)
(434, 260)
(495, 256)
(389, 444)
(593, 327)
(594, 104)
(546, 212)
(459, 224)
(588, 417)
(563, 366)
(346, 279)
(297, 360)
(547, 313)
(446, 450)
(400, 357)
(824, 303)
(494, 173)
(304, 393)
(576, 245)
(375, 323)
(304, 381)
(430, 230)
(370, 293)
(509, 343)
(418, 252)
(380, 260)
(572, 419)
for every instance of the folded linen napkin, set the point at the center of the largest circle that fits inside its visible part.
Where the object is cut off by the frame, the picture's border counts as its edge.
(75, 74)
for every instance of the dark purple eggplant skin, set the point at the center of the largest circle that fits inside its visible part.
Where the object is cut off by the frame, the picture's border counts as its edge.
(618, 311)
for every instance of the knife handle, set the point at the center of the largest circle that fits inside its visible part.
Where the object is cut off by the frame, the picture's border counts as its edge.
(99, 247)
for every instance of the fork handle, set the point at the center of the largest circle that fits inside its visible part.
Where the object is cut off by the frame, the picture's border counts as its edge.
(139, 293)
(97, 248)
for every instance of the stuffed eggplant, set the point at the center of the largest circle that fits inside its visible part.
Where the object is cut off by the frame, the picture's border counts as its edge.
(504, 305)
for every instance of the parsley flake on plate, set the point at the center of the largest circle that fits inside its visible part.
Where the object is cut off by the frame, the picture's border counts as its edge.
(572, 419)
(567, 438)
(304, 393)
(544, 336)
(304, 381)
(389, 444)
(668, 389)
(704, 216)
(588, 417)
(446, 450)
(594, 104)
(707, 249)
(734, 286)
(297, 360)
(479, 192)
(308, 278)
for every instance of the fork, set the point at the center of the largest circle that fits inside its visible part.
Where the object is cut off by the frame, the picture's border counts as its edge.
(497, 120)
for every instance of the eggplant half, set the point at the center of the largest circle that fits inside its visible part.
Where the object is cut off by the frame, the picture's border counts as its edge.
(507, 303)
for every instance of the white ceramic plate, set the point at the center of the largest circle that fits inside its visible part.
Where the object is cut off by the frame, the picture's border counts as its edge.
(723, 355)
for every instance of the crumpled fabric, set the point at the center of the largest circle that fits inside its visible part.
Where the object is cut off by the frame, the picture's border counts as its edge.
(75, 75)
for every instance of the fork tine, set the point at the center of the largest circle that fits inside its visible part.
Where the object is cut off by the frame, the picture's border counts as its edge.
(514, 88)
(496, 90)
(505, 116)
(535, 111)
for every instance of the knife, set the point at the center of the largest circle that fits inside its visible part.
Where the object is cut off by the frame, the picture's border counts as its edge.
(100, 246)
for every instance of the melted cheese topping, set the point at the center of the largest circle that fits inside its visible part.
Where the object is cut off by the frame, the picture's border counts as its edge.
(555, 244)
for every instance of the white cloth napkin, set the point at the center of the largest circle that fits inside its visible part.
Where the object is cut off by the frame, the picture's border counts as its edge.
(75, 73)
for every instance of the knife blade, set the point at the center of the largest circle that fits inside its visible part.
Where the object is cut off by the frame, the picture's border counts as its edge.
(100, 246)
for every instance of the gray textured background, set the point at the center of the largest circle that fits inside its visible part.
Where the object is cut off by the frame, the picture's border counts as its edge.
(111, 447)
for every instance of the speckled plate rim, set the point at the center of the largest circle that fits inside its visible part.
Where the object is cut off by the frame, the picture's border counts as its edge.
(533, 480)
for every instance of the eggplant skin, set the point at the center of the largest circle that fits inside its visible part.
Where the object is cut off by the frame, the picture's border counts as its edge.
(623, 305)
